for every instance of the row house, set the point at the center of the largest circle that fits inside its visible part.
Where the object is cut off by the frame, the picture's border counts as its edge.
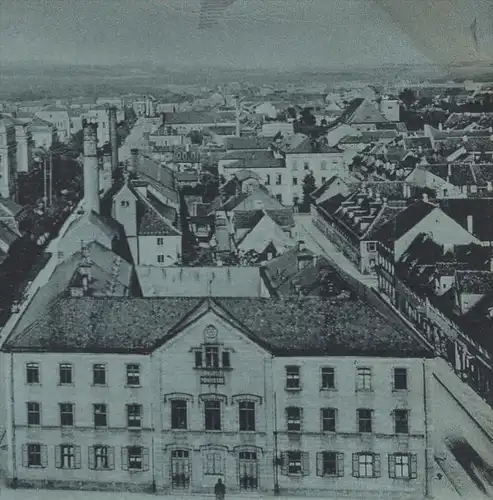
(159, 395)
(352, 221)
(445, 292)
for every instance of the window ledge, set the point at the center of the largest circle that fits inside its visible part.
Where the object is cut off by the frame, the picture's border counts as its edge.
(218, 369)
(400, 391)
(33, 384)
(66, 385)
(293, 389)
(99, 385)
(364, 390)
(133, 386)
(328, 389)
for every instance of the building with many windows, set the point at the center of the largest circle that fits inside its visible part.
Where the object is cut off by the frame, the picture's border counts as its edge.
(172, 394)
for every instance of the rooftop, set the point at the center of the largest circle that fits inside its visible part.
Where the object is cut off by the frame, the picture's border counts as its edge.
(312, 326)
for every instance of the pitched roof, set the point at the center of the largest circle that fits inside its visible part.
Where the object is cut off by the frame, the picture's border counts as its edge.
(474, 282)
(480, 209)
(405, 220)
(283, 217)
(7, 235)
(235, 143)
(195, 117)
(199, 281)
(247, 219)
(285, 326)
(362, 111)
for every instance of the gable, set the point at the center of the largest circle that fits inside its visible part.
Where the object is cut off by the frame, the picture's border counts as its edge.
(195, 331)
(265, 232)
(125, 193)
(367, 113)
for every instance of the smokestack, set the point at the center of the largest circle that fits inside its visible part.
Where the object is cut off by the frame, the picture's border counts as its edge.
(237, 108)
(113, 138)
(134, 164)
(91, 167)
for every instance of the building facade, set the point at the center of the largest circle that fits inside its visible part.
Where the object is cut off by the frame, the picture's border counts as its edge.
(176, 405)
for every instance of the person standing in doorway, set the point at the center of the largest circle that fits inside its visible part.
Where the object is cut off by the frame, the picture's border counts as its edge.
(219, 490)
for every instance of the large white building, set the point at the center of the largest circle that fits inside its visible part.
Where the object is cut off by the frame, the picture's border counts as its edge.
(171, 394)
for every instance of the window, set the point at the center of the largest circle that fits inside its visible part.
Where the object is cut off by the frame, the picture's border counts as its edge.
(101, 457)
(328, 418)
(160, 258)
(328, 378)
(293, 377)
(324, 180)
(212, 414)
(99, 374)
(136, 458)
(371, 246)
(178, 414)
(364, 420)
(330, 463)
(366, 465)
(160, 241)
(133, 375)
(267, 180)
(33, 414)
(32, 373)
(65, 374)
(295, 165)
(211, 356)
(401, 421)
(400, 379)
(246, 411)
(100, 415)
(295, 463)
(66, 414)
(134, 416)
(198, 359)
(213, 463)
(293, 419)
(226, 359)
(363, 379)
(403, 466)
(278, 179)
(67, 456)
(306, 165)
(279, 198)
(323, 165)
(295, 181)
(34, 455)
(124, 203)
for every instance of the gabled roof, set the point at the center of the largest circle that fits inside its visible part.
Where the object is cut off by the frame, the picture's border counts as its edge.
(195, 117)
(311, 326)
(282, 217)
(405, 220)
(362, 111)
(247, 219)
(480, 209)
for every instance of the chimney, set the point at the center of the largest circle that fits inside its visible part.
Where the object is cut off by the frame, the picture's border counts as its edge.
(470, 225)
(425, 197)
(91, 167)
(113, 138)
(134, 162)
(449, 171)
(440, 126)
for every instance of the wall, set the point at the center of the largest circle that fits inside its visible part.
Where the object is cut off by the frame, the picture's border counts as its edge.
(84, 395)
(346, 400)
(174, 371)
(444, 230)
(149, 250)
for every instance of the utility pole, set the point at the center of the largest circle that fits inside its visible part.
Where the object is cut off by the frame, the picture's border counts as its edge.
(51, 178)
(45, 197)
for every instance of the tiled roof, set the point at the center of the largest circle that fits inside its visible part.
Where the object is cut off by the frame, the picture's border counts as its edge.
(247, 219)
(289, 326)
(150, 222)
(199, 281)
(202, 118)
(282, 217)
(10, 206)
(474, 282)
(479, 144)
(483, 173)
(481, 210)
(405, 220)
(234, 143)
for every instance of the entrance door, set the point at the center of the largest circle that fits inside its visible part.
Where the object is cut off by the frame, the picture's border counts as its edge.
(180, 469)
(247, 470)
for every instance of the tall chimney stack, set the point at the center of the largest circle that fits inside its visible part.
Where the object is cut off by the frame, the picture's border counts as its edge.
(134, 162)
(91, 167)
(113, 138)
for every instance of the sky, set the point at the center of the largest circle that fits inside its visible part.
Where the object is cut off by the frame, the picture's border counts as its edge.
(280, 34)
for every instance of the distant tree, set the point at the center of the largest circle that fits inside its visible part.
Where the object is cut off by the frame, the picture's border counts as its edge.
(77, 142)
(307, 118)
(196, 137)
(408, 97)
(130, 116)
(308, 187)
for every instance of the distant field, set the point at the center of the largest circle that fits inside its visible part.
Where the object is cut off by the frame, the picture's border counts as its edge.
(23, 82)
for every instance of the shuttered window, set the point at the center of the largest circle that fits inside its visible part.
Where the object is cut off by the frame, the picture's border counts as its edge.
(403, 466)
(135, 458)
(67, 456)
(34, 455)
(330, 463)
(101, 457)
(366, 465)
(295, 463)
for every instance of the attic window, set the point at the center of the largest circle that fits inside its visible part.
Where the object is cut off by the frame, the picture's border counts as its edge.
(124, 203)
